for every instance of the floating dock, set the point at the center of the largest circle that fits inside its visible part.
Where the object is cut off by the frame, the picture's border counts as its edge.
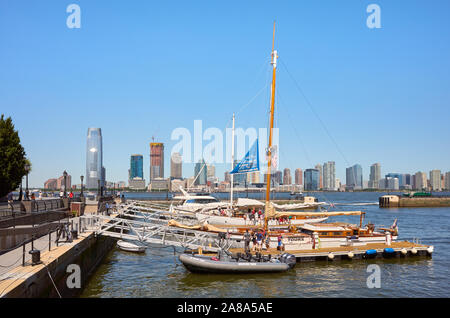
(369, 251)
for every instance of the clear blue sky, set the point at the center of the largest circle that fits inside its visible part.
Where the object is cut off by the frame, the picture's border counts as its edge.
(139, 69)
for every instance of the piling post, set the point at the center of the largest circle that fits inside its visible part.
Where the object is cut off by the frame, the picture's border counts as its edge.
(23, 254)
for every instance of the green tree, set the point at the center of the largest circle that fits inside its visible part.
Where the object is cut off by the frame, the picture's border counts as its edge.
(12, 157)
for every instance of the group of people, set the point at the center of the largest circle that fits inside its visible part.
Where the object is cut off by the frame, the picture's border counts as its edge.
(257, 238)
(254, 216)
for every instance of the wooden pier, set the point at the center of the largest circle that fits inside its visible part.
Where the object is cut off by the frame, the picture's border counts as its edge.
(369, 251)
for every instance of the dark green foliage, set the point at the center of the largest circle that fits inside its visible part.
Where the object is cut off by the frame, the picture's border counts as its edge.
(12, 157)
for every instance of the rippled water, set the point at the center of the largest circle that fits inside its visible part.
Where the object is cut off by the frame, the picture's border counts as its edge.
(158, 273)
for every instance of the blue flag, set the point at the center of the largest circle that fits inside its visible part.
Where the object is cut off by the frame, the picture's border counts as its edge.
(250, 162)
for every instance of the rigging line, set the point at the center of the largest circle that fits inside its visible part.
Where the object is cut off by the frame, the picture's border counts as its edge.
(301, 141)
(314, 112)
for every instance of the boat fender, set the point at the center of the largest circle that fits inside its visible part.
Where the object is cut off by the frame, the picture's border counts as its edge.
(350, 254)
(371, 252)
(389, 250)
(404, 251)
(430, 249)
(214, 258)
(414, 251)
(330, 255)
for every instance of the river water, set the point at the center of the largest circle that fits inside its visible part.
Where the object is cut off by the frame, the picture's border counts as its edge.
(158, 272)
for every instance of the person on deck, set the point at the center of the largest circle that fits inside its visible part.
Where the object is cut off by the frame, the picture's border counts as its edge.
(259, 238)
(247, 238)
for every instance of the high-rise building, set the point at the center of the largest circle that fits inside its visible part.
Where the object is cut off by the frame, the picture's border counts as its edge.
(136, 166)
(227, 176)
(421, 181)
(211, 171)
(399, 176)
(375, 176)
(156, 160)
(392, 183)
(435, 180)
(253, 177)
(319, 167)
(329, 176)
(354, 177)
(176, 166)
(287, 178)
(298, 176)
(447, 181)
(278, 177)
(94, 159)
(312, 179)
(201, 173)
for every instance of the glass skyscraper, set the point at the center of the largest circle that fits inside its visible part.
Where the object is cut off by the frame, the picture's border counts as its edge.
(354, 177)
(202, 178)
(137, 166)
(311, 180)
(94, 158)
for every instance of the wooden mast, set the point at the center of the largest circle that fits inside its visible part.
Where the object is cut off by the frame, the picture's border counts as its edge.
(269, 150)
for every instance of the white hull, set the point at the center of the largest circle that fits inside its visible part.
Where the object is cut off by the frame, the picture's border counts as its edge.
(226, 220)
(130, 247)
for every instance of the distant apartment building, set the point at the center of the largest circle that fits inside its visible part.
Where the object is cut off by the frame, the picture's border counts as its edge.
(51, 184)
(435, 180)
(311, 180)
(211, 171)
(375, 176)
(298, 176)
(253, 177)
(156, 160)
(227, 176)
(287, 178)
(329, 176)
(354, 177)
(319, 167)
(176, 166)
(60, 183)
(447, 181)
(392, 183)
(421, 181)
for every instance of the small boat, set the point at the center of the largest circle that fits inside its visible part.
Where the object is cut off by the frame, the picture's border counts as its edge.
(130, 247)
(226, 264)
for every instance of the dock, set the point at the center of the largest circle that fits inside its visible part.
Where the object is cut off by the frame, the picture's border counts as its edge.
(401, 249)
(396, 201)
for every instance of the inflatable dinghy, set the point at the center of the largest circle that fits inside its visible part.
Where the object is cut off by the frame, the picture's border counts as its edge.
(228, 264)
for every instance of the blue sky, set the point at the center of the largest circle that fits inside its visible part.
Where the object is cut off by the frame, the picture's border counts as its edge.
(139, 69)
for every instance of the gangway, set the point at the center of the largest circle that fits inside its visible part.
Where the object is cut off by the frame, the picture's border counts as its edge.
(152, 230)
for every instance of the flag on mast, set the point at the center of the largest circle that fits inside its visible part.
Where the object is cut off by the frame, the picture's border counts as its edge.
(250, 162)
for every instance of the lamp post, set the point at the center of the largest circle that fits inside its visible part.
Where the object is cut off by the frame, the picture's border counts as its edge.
(81, 194)
(65, 183)
(27, 170)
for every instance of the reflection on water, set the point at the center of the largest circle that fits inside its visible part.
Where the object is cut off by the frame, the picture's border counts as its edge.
(158, 273)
